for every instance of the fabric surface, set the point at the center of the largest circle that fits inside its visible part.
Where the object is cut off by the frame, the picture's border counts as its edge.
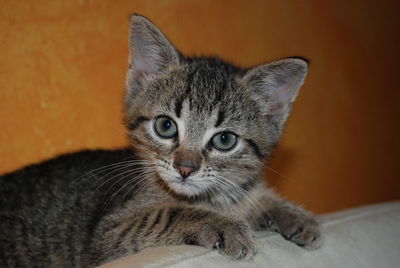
(362, 237)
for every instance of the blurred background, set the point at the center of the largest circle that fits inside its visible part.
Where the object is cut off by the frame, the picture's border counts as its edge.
(63, 64)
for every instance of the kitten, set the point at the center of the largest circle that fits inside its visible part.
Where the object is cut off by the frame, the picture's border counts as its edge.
(201, 130)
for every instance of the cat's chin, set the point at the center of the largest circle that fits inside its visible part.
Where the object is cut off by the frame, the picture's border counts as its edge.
(185, 188)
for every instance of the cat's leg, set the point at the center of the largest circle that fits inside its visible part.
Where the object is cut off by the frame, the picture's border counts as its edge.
(131, 230)
(269, 211)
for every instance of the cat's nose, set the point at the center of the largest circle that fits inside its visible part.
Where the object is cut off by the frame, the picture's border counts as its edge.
(186, 168)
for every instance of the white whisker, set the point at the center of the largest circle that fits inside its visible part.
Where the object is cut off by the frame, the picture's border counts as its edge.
(244, 194)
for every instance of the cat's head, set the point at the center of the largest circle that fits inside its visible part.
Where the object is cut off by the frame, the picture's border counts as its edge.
(203, 124)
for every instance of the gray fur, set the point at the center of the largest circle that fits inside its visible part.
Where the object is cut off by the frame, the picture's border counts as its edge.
(87, 208)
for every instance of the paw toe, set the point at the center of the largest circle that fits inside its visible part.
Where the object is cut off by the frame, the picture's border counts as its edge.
(308, 237)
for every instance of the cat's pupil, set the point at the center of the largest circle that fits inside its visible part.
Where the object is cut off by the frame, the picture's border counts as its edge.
(224, 138)
(167, 124)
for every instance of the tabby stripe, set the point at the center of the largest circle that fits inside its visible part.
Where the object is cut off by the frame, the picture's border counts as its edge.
(155, 222)
(69, 248)
(112, 226)
(186, 93)
(178, 107)
(256, 149)
(220, 119)
(125, 232)
(18, 257)
(197, 215)
(142, 223)
(173, 213)
(189, 81)
(137, 122)
(135, 246)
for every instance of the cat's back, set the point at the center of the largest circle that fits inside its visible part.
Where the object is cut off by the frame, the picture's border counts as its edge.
(62, 173)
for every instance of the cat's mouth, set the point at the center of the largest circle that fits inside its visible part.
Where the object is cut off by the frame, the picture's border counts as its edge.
(188, 187)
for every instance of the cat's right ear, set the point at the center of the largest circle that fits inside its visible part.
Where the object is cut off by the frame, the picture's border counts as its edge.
(151, 52)
(274, 86)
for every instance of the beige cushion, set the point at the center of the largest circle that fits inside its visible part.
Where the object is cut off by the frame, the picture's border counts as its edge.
(361, 237)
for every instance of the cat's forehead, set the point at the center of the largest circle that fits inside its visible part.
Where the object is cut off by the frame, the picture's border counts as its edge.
(206, 85)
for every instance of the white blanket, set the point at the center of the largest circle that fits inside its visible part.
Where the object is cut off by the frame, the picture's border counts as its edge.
(362, 237)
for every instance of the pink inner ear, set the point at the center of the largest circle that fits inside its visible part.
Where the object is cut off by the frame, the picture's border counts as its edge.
(280, 99)
(276, 107)
(141, 64)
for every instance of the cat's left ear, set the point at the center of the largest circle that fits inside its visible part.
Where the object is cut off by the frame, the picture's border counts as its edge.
(275, 86)
(151, 53)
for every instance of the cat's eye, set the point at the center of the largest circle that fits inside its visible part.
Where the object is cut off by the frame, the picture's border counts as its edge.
(224, 141)
(165, 127)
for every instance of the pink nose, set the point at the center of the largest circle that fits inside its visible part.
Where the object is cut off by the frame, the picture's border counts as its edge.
(185, 171)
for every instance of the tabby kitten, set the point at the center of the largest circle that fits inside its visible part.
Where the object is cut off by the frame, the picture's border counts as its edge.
(201, 130)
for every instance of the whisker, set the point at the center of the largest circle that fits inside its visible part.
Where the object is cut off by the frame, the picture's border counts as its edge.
(150, 181)
(110, 166)
(276, 172)
(131, 172)
(128, 166)
(135, 180)
(222, 190)
(103, 168)
(252, 201)
(115, 176)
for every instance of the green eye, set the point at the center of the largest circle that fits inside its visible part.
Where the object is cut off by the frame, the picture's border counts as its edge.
(165, 127)
(224, 141)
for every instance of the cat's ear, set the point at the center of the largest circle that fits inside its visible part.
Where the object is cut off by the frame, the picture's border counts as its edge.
(275, 86)
(151, 52)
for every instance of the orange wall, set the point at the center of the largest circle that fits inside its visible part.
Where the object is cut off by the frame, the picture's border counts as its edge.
(62, 68)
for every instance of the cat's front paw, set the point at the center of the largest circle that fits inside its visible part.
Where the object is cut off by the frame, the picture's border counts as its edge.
(300, 228)
(304, 233)
(229, 237)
